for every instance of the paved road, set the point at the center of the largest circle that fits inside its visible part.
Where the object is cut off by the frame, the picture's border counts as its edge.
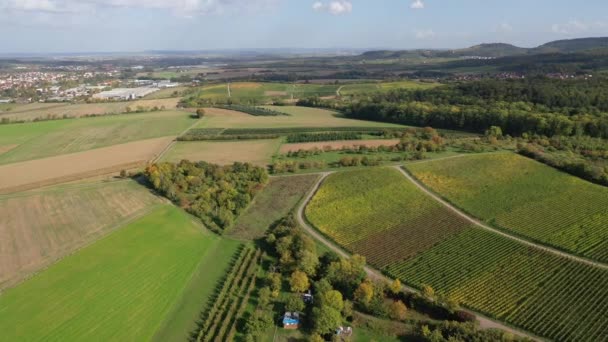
(484, 322)
(496, 231)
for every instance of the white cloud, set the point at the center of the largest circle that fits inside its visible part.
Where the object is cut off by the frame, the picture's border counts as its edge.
(576, 26)
(504, 27)
(417, 4)
(334, 7)
(424, 34)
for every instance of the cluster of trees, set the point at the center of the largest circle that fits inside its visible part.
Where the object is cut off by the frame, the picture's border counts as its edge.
(583, 157)
(216, 194)
(537, 105)
(456, 331)
(328, 136)
(144, 109)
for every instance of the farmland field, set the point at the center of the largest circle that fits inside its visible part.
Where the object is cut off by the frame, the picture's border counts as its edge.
(44, 139)
(36, 111)
(265, 91)
(258, 152)
(120, 288)
(379, 214)
(43, 226)
(526, 197)
(551, 296)
(279, 196)
(68, 167)
(298, 117)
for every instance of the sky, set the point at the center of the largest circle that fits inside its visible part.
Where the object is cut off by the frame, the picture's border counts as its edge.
(52, 26)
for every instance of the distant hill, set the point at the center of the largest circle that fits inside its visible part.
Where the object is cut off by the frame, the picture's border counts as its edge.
(572, 45)
(497, 50)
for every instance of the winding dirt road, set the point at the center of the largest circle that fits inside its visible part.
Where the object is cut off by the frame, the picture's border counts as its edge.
(484, 322)
(494, 230)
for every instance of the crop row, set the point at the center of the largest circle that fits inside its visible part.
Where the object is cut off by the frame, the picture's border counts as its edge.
(551, 296)
(528, 198)
(201, 134)
(209, 315)
(328, 136)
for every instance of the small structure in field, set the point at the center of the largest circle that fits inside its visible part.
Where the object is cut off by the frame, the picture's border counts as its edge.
(345, 332)
(291, 320)
(308, 298)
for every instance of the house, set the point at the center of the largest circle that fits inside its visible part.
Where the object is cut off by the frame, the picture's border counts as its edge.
(291, 320)
(341, 331)
(308, 298)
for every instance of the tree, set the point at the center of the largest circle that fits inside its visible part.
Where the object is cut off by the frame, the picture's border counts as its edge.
(326, 319)
(397, 310)
(294, 303)
(264, 297)
(200, 113)
(428, 292)
(316, 338)
(364, 293)
(333, 299)
(347, 310)
(299, 282)
(396, 287)
(274, 280)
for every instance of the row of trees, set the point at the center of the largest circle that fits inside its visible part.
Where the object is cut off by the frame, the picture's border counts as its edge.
(216, 194)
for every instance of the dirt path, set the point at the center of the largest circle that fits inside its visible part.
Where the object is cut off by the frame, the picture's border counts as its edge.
(229, 92)
(484, 322)
(338, 91)
(496, 231)
(171, 143)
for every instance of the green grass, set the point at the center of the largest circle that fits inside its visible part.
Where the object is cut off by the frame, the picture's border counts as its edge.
(525, 197)
(377, 213)
(261, 91)
(362, 88)
(50, 138)
(119, 289)
(280, 196)
(181, 320)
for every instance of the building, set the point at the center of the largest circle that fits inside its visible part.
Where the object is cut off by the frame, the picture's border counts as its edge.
(291, 320)
(122, 94)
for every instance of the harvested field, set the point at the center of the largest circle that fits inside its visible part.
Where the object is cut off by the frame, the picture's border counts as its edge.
(277, 199)
(45, 139)
(40, 227)
(275, 93)
(336, 145)
(6, 148)
(120, 288)
(258, 152)
(47, 171)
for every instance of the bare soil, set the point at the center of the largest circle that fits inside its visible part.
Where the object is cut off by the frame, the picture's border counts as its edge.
(18, 176)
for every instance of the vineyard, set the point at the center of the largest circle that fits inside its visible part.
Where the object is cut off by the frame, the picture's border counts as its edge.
(220, 318)
(528, 198)
(379, 214)
(551, 296)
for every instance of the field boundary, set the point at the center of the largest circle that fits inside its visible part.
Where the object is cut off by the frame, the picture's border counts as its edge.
(482, 225)
(485, 321)
(132, 218)
(73, 177)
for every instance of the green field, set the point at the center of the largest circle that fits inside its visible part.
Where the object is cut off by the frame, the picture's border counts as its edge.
(548, 295)
(258, 91)
(298, 117)
(119, 289)
(278, 198)
(45, 225)
(528, 198)
(378, 213)
(44, 139)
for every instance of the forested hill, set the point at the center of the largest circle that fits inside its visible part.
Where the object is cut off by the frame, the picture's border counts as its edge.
(497, 50)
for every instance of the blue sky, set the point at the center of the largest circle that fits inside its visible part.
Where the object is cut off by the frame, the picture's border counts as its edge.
(38, 26)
